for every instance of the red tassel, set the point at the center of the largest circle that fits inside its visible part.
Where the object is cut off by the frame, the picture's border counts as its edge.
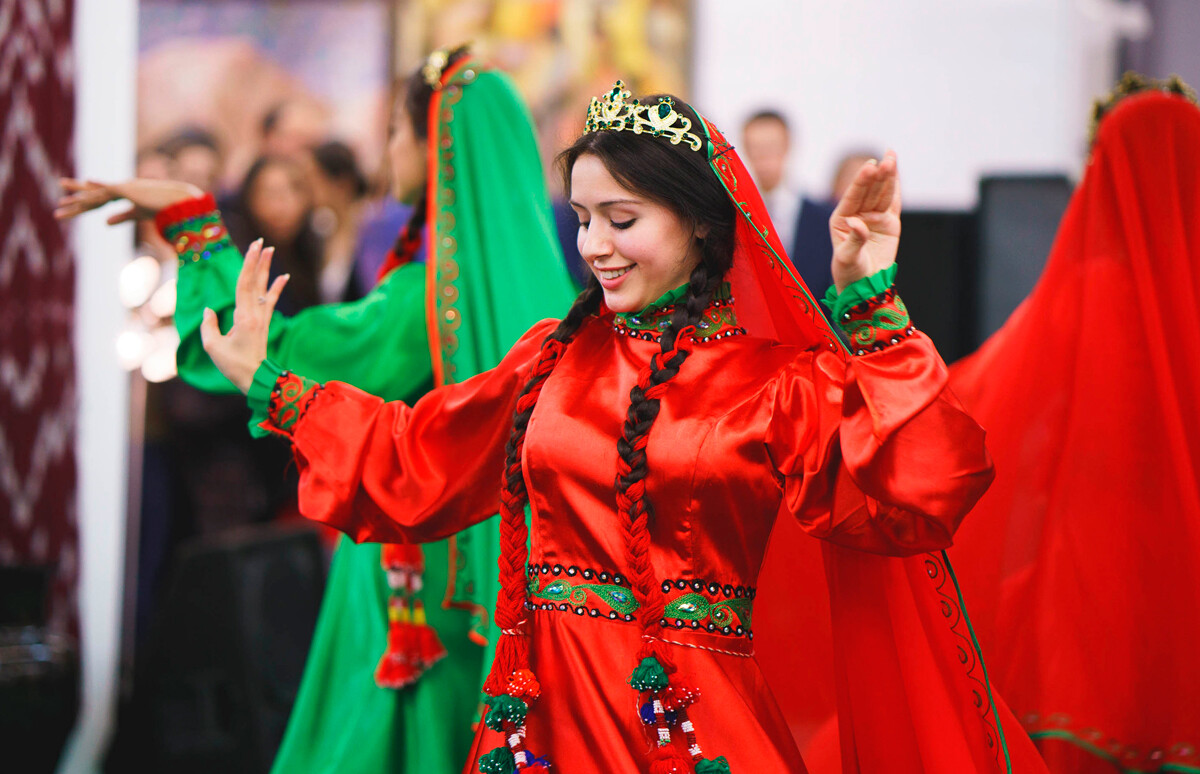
(396, 669)
(413, 645)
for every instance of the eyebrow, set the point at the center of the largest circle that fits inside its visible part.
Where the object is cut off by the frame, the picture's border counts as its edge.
(611, 203)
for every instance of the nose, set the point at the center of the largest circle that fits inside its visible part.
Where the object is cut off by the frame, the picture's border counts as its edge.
(593, 243)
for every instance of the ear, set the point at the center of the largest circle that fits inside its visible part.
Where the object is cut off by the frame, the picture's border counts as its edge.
(701, 231)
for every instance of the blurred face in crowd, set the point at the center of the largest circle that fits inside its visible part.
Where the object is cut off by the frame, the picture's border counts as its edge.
(406, 157)
(279, 201)
(638, 249)
(846, 172)
(765, 145)
(298, 126)
(198, 165)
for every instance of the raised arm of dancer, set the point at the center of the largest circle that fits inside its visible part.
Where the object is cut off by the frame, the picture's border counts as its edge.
(876, 454)
(378, 343)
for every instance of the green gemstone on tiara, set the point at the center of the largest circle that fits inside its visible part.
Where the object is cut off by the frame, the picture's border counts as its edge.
(618, 111)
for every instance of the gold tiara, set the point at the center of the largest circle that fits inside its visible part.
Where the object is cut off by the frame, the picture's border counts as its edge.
(1134, 83)
(615, 111)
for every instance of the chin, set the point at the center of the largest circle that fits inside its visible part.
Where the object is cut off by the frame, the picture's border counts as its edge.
(623, 303)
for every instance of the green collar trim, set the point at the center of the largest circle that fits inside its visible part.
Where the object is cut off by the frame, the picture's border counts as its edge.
(717, 322)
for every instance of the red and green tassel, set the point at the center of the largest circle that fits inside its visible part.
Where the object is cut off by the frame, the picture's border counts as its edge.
(413, 645)
(665, 705)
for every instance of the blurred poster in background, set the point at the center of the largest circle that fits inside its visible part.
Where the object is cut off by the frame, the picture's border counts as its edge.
(559, 52)
(224, 66)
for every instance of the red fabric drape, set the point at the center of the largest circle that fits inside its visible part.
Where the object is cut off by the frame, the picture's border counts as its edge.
(1081, 562)
(37, 291)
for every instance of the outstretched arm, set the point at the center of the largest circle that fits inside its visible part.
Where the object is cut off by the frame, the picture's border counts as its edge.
(328, 341)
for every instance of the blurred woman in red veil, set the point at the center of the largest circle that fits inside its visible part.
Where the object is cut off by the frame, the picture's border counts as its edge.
(1081, 561)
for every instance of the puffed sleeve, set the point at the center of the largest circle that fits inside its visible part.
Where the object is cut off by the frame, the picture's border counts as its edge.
(876, 454)
(389, 472)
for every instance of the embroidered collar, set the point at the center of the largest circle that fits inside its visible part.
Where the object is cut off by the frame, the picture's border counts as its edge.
(717, 322)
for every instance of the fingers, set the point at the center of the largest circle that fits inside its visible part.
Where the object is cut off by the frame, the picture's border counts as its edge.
(883, 188)
(263, 271)
(272, 295)
(75, 186)
(210, 329)
(859, 232)
(852, 200)
(123, 217)
(244, 294)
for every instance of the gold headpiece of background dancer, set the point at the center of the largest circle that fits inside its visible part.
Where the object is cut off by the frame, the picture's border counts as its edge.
(615, 111)
(1135, 83)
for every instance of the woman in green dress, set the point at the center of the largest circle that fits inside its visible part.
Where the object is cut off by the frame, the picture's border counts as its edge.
(461, 146)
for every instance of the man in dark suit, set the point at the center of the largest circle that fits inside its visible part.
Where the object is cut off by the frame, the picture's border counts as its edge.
(802, 222)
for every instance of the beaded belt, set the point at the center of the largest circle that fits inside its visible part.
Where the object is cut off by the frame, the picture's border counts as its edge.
(690, 604)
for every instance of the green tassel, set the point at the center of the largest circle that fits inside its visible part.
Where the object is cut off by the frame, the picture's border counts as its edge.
(504, 708)
(498, 761)
(649, 675)
(715, 766)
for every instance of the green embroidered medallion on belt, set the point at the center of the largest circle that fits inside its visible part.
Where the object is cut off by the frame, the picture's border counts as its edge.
(690, 603)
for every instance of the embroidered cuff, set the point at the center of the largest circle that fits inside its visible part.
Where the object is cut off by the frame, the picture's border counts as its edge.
(259, 397)
(194, 228)
(278, 399)
(870, 313)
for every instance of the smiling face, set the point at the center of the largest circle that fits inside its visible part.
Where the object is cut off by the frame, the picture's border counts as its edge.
(637, 248)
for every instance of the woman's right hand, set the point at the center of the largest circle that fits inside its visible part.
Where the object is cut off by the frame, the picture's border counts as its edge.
(147, 197)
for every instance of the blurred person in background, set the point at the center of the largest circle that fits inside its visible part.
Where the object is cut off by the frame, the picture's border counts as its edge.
(275, 202)
(409, 711)
(339, 198)
(290, 128)
(802, 222)
(847, 167)
(1081, 560)
(195, 157)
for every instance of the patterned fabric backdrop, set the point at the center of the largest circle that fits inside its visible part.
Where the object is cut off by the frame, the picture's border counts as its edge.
(37, 291)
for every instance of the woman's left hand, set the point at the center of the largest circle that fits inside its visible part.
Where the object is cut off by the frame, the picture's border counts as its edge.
(238, 353)
(866, 224)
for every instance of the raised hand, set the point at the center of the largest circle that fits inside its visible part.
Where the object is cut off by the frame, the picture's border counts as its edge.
(146, 196)
(866, 224)
(238, 353)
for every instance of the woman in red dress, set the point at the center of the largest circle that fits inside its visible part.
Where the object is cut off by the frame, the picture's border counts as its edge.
(691, 394)
(1083, 557)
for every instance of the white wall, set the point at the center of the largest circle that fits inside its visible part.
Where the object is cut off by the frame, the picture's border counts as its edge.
(105, 50)
(957, 88)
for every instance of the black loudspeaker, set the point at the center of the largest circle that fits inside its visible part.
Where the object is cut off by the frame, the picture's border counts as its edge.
(1018, 218)
(937, 276)
(228, 648)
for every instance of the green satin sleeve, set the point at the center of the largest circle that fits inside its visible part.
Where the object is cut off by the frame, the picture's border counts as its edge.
(378, 343)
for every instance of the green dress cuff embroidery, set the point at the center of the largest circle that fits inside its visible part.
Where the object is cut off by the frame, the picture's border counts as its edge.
(870, 313)
(194, 228)
(259, 397)
(287, 397)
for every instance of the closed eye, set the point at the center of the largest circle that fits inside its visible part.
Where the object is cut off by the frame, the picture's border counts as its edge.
(623, 225)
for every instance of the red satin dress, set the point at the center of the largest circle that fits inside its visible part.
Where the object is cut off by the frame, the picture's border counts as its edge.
(1081, 564)
(874, 454)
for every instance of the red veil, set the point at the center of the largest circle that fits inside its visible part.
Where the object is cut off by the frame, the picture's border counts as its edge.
(901, 663)
(1082, 560)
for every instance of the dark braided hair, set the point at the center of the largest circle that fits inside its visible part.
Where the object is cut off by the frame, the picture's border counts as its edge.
(680, 179)
(417, 95)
